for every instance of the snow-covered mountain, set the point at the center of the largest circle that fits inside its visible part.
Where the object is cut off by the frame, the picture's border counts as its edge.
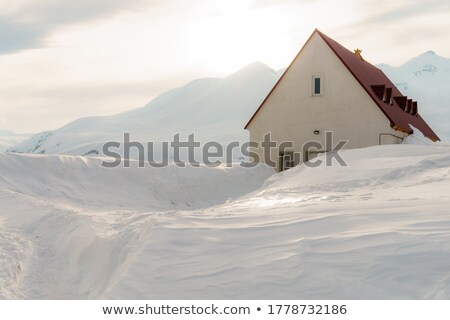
(8, 139)
(426, 78)
(217, 109)
(213, 109)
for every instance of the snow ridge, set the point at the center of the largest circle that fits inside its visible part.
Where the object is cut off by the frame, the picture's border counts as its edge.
(376, 229)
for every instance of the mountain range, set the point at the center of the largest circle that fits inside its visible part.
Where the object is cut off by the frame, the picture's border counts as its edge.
(217, 109)
(214, 109)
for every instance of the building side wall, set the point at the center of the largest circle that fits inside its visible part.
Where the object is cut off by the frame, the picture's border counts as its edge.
(292, 113)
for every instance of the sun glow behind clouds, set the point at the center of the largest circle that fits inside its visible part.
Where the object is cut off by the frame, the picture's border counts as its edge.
(233, 37)
(241, 32)
(217, 37)
(214, 38)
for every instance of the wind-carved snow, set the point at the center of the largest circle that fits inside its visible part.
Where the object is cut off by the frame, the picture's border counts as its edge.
(14, 255)
(378, 228)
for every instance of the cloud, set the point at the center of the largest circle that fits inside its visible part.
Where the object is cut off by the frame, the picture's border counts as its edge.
(28, 25)
(63, 12)
(392, 32)
(15, 36)
(278, 2)
(407, 10)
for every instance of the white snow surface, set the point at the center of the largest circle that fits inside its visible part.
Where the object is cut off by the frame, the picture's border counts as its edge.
(378, 228)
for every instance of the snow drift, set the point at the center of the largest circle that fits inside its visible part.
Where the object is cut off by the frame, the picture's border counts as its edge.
(378, 228)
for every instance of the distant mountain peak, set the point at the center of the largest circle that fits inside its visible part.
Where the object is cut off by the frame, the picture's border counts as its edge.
(428, 62)
(429, 56)
(258, 64)
(255, 67)
(252, 70)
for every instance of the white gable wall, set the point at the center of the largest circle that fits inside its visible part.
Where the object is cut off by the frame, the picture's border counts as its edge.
(292, 113)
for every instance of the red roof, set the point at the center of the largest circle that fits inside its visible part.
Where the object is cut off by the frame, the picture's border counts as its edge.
(388, 98)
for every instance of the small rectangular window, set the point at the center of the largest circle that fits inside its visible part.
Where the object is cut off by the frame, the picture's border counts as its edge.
(317, 85)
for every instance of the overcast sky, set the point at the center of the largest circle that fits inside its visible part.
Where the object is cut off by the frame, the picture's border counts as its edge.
(65, 59)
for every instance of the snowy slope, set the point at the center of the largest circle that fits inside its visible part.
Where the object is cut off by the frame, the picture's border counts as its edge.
(62, 227)
(213, 109)
(82, 181)
(4, 146)
(426, 78)
(378, 228)
(8, 139)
